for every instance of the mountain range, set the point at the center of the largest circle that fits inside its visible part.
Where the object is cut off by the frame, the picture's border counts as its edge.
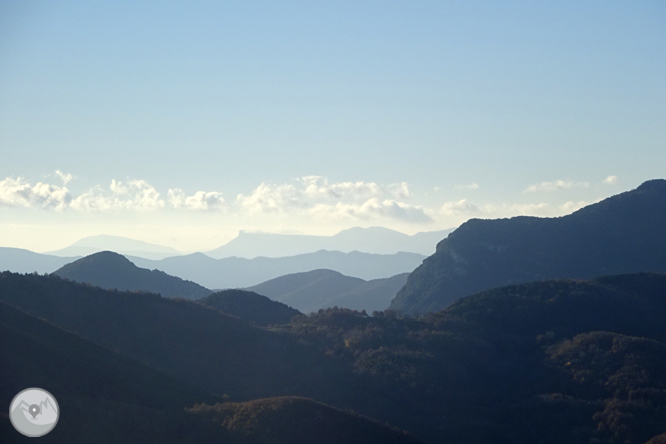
(375, 240)
(112, 270)
(569, 361)
(19, 260)
(237, 272)
(317, 289)
(622, 234)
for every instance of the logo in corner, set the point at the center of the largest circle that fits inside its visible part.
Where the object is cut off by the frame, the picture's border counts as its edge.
(34, 412)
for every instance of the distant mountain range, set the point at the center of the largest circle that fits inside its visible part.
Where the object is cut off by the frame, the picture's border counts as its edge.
(19, 260)
(237, 272)
(250, 306)
(374, 240)
(622, 234)
(313, 290)
(95, 244)
(111, 270)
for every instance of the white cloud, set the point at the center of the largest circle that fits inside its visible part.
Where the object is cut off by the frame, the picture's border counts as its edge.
(400, 190)
(135, 195)
(66, 178)
(201, 200)
(371, 209)
(610, 180)
(317, 187)
(571, 206)
(20, 193)
(269, 199)
(472, 186)
(458, 207)
(555, 186)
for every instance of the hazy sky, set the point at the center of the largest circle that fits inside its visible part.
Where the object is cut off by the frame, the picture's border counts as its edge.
(182, 122)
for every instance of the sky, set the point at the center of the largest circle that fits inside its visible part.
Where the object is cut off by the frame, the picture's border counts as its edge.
(181, 123)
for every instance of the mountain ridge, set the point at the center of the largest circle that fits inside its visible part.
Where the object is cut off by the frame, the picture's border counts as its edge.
(107, 269)
(621, 234)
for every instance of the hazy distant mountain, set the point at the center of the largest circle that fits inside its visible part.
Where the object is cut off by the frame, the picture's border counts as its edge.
(250, 306)
(26, 261)
(237, 272)
(112, 270)
(317, 289)
(95, 244)
(622, 234)
(376, 240)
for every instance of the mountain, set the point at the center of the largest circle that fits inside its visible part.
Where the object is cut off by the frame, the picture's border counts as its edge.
(26, 261)
(111, 270)
(376, 240)
(88, 381)
(125, 246)
(289, 419)
(249, 306)
(549, 361)
(622, 234)
(237, 272)
(313, 290)
(107, 398)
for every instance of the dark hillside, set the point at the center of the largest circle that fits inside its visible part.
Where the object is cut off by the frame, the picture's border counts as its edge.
(622, 234)
(290, 420)
(250, 306)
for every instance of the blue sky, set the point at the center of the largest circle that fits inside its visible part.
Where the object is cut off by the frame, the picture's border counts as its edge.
(315, 116)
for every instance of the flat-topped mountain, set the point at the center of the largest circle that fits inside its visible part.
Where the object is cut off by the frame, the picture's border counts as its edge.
(377, 240)
(313, 290)
(112, 270)
(250, 306)
(622, 234)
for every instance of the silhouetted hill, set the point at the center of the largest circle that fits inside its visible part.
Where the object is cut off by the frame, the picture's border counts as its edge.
(553, 361)
(103, 397)
(213, 351)
(250, 306)
(236, 272)
(18, 260)
(376, 240)
(289, 420)
(622, 234)
(312, 290)
(111, 270)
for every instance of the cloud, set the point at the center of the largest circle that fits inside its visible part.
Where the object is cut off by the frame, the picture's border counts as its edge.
(318, 187)
(571, 206)
(472, 186)
(66, 178)
(201, 200)
(371, 209)
(269, 199)
(400, 190)
(135, 195)
(555, 186)
(458, 207)
(20, 193)
(610, 180)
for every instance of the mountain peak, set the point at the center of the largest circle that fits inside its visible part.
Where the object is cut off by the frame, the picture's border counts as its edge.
(621, 234)
(107, 269)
